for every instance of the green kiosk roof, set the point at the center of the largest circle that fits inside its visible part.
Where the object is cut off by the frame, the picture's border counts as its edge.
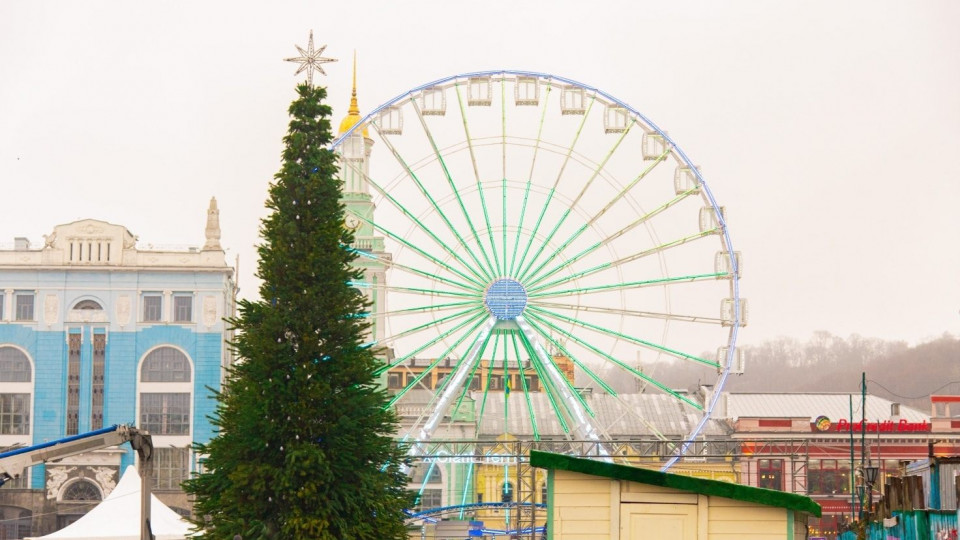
(715, 488)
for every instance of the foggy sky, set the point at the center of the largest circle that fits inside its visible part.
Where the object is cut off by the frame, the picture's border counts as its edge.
(830, 131)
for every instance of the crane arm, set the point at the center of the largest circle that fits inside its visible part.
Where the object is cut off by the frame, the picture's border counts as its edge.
(14, 462)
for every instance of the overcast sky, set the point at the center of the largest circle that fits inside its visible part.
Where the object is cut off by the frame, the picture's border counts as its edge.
(829, 130)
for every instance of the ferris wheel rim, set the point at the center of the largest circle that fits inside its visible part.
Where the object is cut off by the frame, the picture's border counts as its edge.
(673, 147)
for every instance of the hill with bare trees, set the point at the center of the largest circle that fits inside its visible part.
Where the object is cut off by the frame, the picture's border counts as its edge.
(828, 363)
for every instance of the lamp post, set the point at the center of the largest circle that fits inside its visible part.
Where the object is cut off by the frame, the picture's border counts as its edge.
(868, 475)
(870, 472)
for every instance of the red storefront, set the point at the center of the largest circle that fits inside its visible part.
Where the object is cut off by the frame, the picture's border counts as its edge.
(808, 444)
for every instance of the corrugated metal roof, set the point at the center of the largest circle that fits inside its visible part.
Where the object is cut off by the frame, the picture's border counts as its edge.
(834, 406)
(624, 416)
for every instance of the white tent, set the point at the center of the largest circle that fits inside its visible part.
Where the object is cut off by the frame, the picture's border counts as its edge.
(118, 517)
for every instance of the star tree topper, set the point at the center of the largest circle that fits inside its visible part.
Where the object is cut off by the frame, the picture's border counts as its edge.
(310, 60)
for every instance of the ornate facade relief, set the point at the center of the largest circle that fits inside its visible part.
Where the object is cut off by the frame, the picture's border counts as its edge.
(209, 311)
(56, 477)
(105, 477)
(51, 309)
(123, 309)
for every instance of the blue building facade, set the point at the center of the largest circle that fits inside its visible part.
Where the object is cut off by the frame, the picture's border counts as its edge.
(94, 332)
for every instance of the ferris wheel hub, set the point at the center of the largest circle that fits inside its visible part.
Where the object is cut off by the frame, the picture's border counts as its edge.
(505, 299)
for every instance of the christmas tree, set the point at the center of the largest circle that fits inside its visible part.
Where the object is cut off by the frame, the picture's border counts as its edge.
(304, 446)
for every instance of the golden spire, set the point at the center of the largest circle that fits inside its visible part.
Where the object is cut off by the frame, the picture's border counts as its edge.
(353, 113)
(354, 109)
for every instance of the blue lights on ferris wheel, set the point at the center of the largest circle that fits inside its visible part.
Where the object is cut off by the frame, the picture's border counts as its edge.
(505, 299)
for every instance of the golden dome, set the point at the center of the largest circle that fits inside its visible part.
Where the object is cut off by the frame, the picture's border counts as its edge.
(353, 114)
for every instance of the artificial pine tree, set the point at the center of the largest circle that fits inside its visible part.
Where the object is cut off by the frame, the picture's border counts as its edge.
(304, 447)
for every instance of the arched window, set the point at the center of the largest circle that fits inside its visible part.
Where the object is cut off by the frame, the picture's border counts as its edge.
(165, 364)
(421, 471)
(506, 492)
(17, 371)
(14, 522)
(81, 491)
(88, 305)
(14, 365)
(165, 393)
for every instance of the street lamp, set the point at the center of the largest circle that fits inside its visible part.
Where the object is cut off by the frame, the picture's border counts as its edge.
(869, 474)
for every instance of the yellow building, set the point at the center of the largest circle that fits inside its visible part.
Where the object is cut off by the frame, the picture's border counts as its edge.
(589, 499)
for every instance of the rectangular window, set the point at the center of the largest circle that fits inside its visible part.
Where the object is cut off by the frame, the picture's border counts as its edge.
(96, 400)
(495, 383)
(828, 477)
(24, 306)
(431, 498)
(393, 380)
(183, 308)
(152, 304)
(170, 467)
(73, 384)
(770, 474)
(14, 414)
(165, 413)
(20, 482)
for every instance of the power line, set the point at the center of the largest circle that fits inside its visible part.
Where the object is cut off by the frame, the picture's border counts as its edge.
(894, 394)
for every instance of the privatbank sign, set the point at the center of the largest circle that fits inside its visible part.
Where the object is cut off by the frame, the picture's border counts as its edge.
(822, 423)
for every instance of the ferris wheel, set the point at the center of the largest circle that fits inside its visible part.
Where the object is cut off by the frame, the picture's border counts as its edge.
(517, 228)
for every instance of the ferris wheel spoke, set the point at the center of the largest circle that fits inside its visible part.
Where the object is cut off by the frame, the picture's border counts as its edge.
(416, 380)
(433, 323)
(606, 241)
(420, 225)
(486, 386)
(633, 313)
(526, 191)
(421, 252)
(456, 192)
(456, 378)
(476, 175)
(533, 293)
(506, 388)
(426, 345)
(388, 262)
(546, 335)
(464, 386)
(618, 362)
(630, 258)
(428, 307)
(597, 216)
(503, 174)
(586, 186)
(632, 339)
(526, 389)
(597, 379)
(433, 203)
(550, 194)
(417, 290)
(547, 386)
(584, 416)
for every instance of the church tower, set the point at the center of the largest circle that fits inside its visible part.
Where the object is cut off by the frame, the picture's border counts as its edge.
(354, 154)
